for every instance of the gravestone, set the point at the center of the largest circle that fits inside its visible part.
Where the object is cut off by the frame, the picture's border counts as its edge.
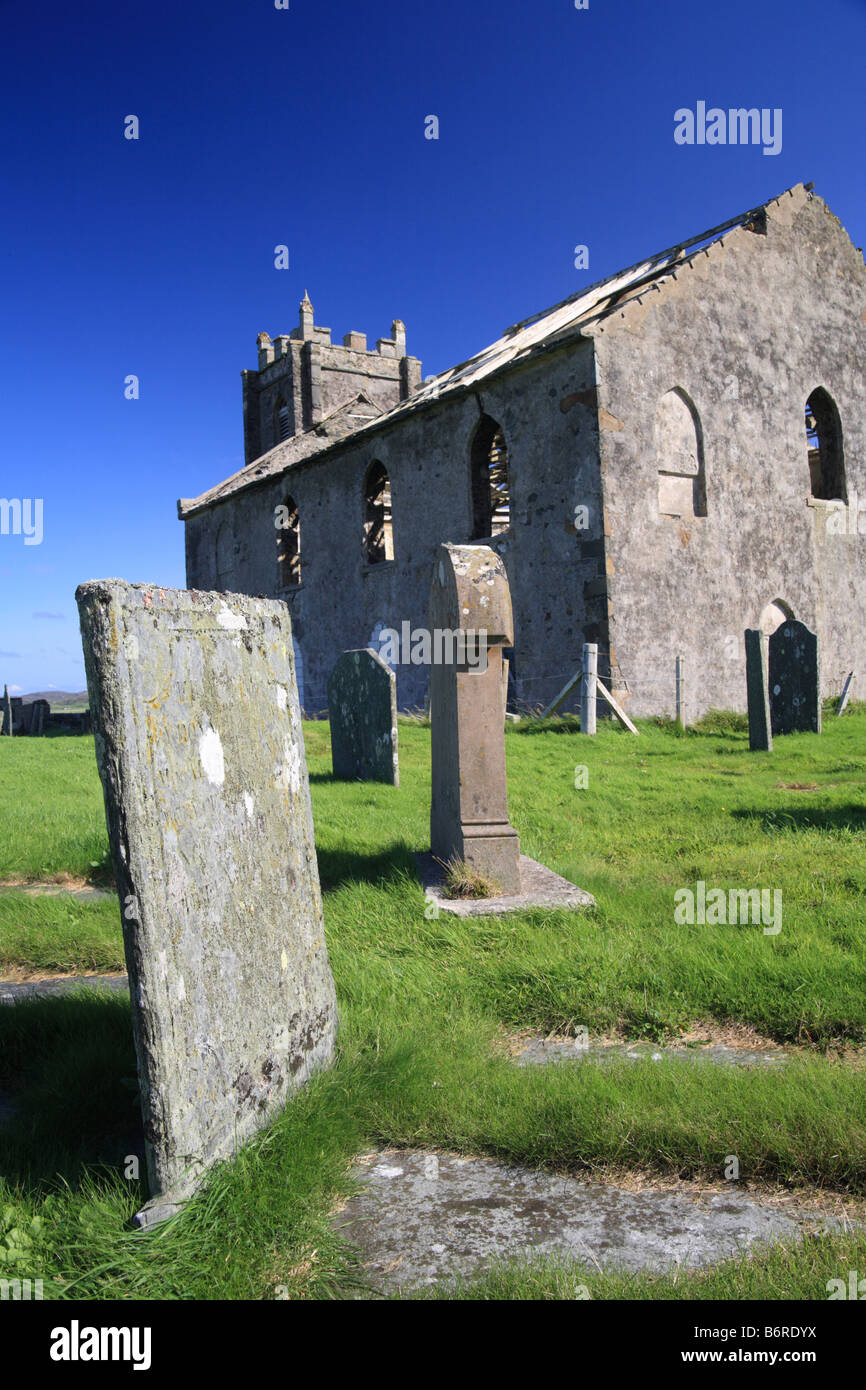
(469, 807)
(41, 711)
(200, 750)
(795, 686)
(760, 736)
(362, 712)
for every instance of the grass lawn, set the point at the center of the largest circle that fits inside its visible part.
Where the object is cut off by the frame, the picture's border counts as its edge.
(428, 1002)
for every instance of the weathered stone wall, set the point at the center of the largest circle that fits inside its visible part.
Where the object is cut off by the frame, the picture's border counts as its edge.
(747, 331)
(707, 373)
(547, 411)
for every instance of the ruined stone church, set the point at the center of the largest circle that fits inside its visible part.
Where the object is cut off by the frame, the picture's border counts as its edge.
(662, 460)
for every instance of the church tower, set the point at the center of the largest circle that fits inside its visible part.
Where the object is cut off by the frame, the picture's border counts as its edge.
(303, 377)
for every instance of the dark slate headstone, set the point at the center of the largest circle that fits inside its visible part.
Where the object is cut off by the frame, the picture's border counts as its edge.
(795, 685)
(201, 754)
(6, 727)
(760, 737)
(362, 711)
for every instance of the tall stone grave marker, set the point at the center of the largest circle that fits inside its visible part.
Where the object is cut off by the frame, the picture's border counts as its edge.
(469, 808)
(6, 726)
(795, 684)
(362, 712)
(760, 736)
(200, 751)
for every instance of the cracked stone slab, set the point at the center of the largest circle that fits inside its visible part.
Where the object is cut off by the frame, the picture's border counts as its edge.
(542, 1051)
(56, 890)
(13, 991)
(423, 1218)
(540, 887)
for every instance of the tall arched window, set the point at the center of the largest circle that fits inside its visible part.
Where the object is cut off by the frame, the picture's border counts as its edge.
(679, 445)
(288, 544)
(282, 423)
(378, 521)
(488, 463)
(824, 444)
(225, 557)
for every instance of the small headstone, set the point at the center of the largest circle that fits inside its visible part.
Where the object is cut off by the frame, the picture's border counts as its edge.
(795, 686)
(362, 711)
(200, 750)
(760, 737)
(469, 808)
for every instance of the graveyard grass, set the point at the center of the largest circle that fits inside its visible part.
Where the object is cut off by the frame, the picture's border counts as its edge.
(430, 1008)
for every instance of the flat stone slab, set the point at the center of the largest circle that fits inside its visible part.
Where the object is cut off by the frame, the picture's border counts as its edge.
(424, 1218)
(540, 887)
(12, 991)
(56, 890)
(541, 1051)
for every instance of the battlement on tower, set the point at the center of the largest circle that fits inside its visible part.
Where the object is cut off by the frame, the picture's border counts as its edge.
(302, 377)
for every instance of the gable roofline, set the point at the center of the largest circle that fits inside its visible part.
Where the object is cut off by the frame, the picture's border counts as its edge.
(528, 338)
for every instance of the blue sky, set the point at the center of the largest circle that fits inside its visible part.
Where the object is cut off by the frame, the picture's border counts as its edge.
(305, 127)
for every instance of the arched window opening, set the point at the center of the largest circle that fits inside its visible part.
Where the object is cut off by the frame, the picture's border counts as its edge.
(679, 457)
(288, 544)
(282, 423)
(378, 522)
(491, 503)
(774, 615)
(824, 445)
(225, 558)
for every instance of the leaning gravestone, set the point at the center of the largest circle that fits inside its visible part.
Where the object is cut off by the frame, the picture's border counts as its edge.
(760, 736)
(362, 711)
(469, 808)
(795, 687)
(200, 751)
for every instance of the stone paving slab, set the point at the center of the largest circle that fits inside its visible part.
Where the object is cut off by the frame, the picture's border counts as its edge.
(542, 1051)
(424, 1218)
(12, 991)
(540, 887)
(56, 890)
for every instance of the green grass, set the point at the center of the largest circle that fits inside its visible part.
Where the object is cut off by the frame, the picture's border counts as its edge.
(423, 1001)
(58, 933)
(53, 821)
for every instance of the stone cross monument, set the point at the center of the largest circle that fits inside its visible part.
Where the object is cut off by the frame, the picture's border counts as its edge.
(471, 621)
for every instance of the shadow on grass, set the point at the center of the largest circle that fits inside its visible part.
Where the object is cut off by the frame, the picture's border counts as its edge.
(342, 866)
(68, 1068)
(807, 818)
(566, 724)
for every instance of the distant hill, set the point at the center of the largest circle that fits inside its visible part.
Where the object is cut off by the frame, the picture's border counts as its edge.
(60, 700)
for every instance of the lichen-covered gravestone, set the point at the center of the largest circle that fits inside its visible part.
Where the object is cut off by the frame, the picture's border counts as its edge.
(469, 807)
(760, 737)
(795, 686)
(362, 711)
(200, 751)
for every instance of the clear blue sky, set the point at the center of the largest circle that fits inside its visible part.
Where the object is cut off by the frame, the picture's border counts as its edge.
(305, 126)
